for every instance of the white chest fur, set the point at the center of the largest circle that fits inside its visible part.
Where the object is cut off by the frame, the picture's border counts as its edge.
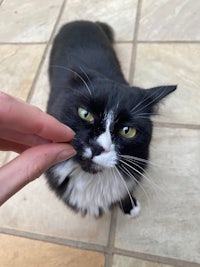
(89, 192)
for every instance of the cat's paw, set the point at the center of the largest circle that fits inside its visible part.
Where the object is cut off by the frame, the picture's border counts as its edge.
(135, 211)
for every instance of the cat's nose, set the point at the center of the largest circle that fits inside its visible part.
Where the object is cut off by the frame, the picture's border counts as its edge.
(97, 150)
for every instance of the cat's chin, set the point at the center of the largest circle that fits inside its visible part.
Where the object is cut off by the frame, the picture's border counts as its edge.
(90, 166)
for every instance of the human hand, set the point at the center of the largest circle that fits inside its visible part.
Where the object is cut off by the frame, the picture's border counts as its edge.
(39, 138)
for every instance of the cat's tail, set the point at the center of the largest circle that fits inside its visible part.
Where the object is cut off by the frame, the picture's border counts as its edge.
(107, 30)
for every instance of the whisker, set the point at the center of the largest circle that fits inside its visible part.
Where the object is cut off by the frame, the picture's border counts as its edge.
(141, 160)
(87, 76)
(141, 117)
(127, 172)
(140, 103)
(115, 176)
(129, 194)
(144, 115)
(151, 102)
(146, 176)
(79, 76)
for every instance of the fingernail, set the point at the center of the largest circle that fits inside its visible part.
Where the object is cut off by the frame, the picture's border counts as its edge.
(66, 154)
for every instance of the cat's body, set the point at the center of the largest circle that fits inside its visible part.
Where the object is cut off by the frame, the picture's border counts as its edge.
(111, 120)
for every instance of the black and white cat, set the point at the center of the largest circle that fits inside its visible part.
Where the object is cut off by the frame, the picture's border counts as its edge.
(111, 120)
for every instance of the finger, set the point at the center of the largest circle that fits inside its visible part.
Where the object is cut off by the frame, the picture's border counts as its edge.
(26, 139)
(30, 165)
(26, 118)
(12, 146)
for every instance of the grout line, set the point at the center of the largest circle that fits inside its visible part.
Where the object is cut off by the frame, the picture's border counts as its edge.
(176, 125)
(24, 43)
(54, 240)
(111, 239)
(168, 41)
(134, 47)
(155, 258)
(32, 90)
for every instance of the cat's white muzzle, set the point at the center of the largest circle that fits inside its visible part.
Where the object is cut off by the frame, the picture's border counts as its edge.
(106, 159)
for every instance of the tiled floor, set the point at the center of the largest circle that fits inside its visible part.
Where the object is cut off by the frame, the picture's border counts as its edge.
(158, 42)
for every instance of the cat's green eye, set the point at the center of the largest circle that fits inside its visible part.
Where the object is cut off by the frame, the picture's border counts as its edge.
(128, 132)
(85, 115)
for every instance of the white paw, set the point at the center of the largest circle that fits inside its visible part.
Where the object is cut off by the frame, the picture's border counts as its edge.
(135, 211)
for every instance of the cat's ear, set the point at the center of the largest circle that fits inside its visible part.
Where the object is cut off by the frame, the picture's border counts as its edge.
(156, 94)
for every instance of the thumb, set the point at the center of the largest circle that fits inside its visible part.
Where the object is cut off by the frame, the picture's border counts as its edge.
(30, 165)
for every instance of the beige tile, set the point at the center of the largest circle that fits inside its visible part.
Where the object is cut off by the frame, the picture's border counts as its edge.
(19, 64)
(18, 251)
(170, 20)
(42, 88)
(161, 64)
(120, 15)
(169, 222)
(120, 261)
(2, 157)
(28, 21)
(10, 156)
(36, 209)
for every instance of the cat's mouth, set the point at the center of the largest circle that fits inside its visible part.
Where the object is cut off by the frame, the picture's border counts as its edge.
(91, 167)
(97, 163)
(88, 165)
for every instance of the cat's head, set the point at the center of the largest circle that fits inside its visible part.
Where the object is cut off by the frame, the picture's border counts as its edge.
(111, 120)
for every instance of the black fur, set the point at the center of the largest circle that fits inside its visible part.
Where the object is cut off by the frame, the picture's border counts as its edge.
(84, 72)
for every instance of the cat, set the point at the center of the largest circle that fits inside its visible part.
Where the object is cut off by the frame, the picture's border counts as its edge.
(111, 120)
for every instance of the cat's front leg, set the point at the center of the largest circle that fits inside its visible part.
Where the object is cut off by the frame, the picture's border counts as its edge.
(130, 206)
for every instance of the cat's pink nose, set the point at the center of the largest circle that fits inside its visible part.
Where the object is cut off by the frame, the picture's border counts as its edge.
(105, 151)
